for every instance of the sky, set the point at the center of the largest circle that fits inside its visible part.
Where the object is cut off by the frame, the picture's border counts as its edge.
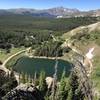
(83, 5)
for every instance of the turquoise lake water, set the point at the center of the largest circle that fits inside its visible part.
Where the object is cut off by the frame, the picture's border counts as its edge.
(32, 65)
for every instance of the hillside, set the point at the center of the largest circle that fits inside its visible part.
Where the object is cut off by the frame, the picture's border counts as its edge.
(83, 38)
(46, 36)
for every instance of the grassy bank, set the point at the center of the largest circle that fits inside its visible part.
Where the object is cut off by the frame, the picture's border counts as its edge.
(11, 63)
(96, 73)
(4, 55)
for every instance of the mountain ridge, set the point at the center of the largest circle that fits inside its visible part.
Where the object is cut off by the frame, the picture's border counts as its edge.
(58, 12)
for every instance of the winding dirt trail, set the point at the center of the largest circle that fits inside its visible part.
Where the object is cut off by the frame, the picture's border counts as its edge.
(3, 66)
(12, 56)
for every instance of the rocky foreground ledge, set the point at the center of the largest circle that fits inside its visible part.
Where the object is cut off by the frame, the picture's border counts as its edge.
(24, 92)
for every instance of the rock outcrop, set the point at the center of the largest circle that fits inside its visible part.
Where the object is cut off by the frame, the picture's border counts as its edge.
(24, 92)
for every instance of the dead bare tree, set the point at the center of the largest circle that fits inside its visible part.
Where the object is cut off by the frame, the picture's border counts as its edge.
(54, 85)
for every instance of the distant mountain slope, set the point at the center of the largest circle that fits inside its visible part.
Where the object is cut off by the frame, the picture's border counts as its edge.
(58, 12)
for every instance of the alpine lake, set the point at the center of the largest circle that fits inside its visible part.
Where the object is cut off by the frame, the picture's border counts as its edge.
(36, 65)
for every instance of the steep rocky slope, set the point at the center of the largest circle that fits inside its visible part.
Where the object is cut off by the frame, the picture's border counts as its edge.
(83, 38)
(24, 92)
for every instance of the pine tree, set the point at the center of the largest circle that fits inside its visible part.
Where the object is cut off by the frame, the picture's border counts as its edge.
(19, 78)
(74, 92)
(26, 77)
(12, 75)
(70, 95)
(62, 92)
(42, 83)
(73, 85)
(35, 79)
(29, 79)
(54, 84)
(23, 78)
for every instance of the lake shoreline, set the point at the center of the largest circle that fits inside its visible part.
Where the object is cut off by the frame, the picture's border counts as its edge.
(44, 57)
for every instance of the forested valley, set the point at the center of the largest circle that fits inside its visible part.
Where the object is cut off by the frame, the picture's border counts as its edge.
(45, 38)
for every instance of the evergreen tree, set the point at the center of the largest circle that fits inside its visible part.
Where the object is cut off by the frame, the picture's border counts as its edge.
(62, 92)
(29, 79)
(35, 80)
(23, 78)
(12, 75)
(19, 78)
(74, 92)
(79, 94)
(70, 95)
(73, 85)
(42, 83)
(26, 78)
(8, 83)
